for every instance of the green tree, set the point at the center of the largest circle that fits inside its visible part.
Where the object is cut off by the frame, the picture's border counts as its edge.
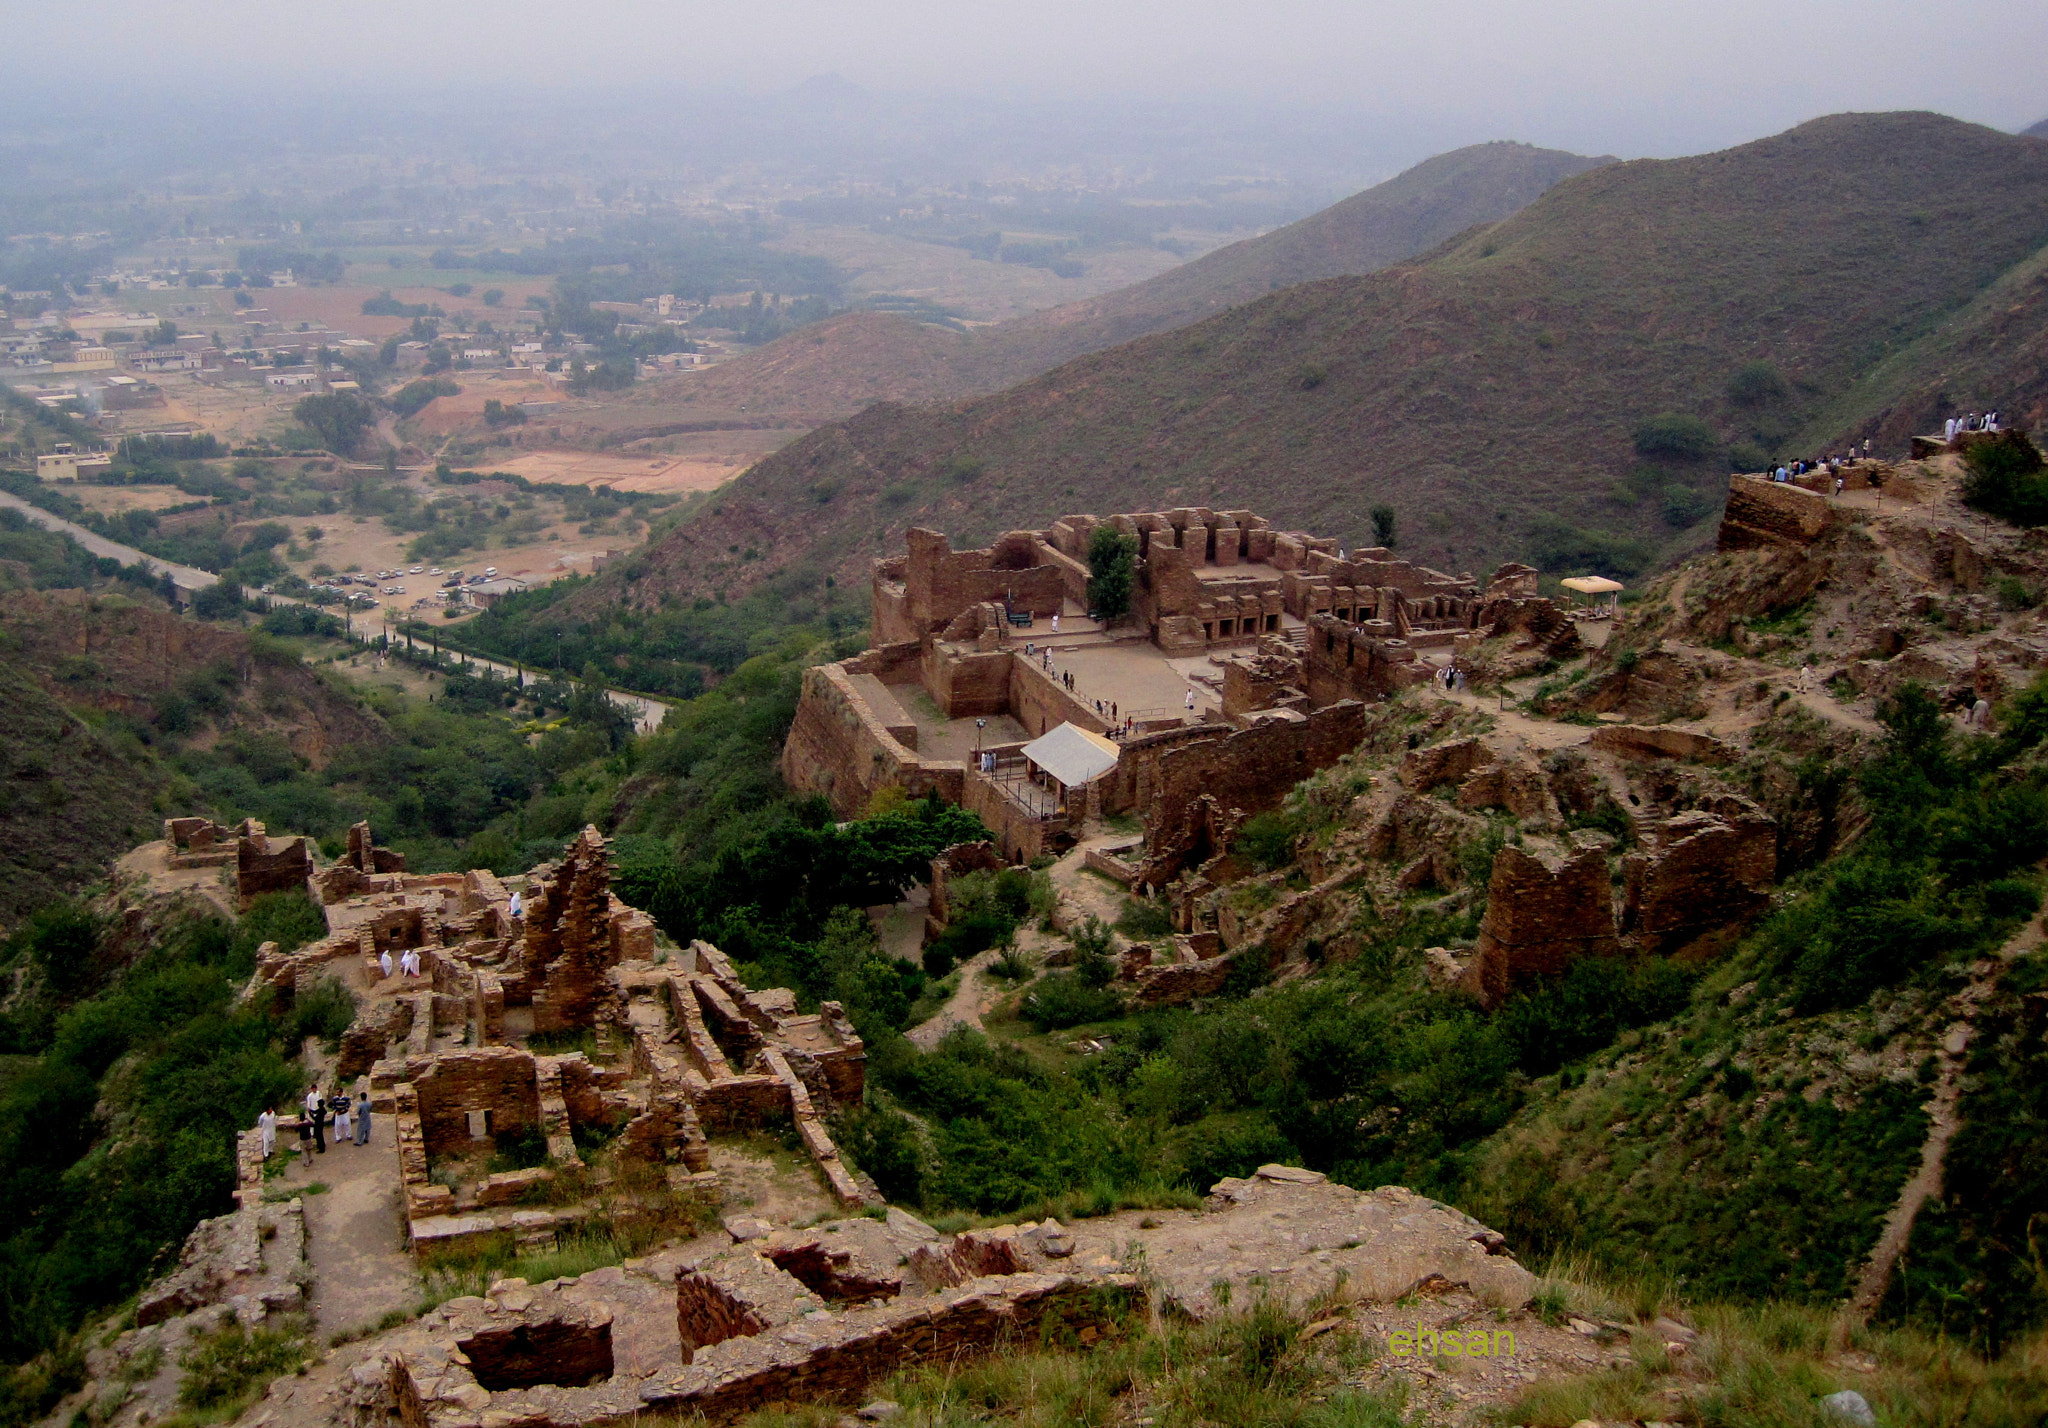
(1677, 437)
(339, 418)
(1112, 571)
(1383, 532)
(166, 334)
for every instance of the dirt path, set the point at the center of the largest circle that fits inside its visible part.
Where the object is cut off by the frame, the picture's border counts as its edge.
(975, 994)
(1943, 1120)
(355, 1236)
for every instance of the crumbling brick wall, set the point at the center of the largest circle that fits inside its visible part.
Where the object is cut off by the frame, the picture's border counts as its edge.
(1546, 907)
(1767, 513)
(264, 864)
(497, 1080)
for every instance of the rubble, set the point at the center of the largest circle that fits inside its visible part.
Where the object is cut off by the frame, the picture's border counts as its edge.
(819, 1315)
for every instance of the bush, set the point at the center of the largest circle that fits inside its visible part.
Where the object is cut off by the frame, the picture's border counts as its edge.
(1267, 839)
(2005, 479)
(1064, 999)
(1682, 506)
(1676, 437)
(1758, 384)
(232, 1363)
(411, 398)
(218, 601)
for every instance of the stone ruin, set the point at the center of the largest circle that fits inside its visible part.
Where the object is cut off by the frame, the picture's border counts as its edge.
(1289, 635)
(676, 1047)
(262, 864)
(1701, 860)
(822, 1313)
(358, 869)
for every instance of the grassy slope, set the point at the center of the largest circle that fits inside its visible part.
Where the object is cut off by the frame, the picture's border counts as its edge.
(833, 368)
(71, 796)
(1498, 379)
(1408, 214)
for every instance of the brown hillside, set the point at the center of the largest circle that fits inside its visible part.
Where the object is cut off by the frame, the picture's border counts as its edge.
(75, 790)
(1488, 392)
(821, 372)
(834, 368)
(1408, 214)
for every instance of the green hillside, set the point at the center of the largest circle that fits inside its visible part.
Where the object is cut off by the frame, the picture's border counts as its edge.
(831, 369)
(1490, 393)
(1387, 223)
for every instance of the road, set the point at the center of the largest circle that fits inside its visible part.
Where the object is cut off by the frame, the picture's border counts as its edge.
(185, 577)
(647, 713)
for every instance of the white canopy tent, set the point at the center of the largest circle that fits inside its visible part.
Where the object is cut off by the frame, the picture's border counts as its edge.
(1594, 586)
(1070, 755)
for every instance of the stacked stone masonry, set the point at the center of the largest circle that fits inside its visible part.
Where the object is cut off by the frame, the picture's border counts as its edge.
(695, 1052)
(1290, 630)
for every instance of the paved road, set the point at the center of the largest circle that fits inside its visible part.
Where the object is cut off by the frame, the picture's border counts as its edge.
(647, 713)
(185, 577)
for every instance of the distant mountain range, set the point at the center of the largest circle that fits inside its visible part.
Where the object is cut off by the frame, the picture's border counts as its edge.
(833, 368)
(1831, 282)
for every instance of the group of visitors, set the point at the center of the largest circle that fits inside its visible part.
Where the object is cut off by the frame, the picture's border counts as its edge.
(350, 1119)
(1833, 464)
(1975, 421)
(1450, 679)
(408, 964)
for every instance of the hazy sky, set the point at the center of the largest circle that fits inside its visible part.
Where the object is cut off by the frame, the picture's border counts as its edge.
(1631, 78)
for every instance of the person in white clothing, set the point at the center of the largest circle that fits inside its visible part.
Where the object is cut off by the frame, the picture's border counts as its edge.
(518, 908)
(266, 1130)
(1191, 699)
(384, 961)
(1055, 623)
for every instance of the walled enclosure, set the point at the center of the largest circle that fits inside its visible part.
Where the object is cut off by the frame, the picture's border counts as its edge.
(1293, 633)
(684, 1049)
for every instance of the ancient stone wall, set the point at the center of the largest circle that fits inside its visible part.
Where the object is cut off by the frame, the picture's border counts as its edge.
(1246, 772)
(264, 864)
(939, 582)
(837, 747)
(1704, 875)
(1766, 513)
(1546, 907)
(1366, 662)
(496, 1080)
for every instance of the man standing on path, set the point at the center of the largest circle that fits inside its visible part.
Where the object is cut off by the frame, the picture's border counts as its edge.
(1191, 698)
(316, 1112)
(266, 1130)
(363, 1118)
(343, 1110)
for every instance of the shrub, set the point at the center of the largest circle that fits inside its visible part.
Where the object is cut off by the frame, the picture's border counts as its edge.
(232, 1363)
(1676, 437)
(1064, 999)
(1267, 839)
(2005, 479)
(1682, 506)
(1757, 384)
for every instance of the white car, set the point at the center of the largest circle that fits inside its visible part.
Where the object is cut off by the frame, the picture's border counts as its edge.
(417, 570)
(490, 572)
(435, 571)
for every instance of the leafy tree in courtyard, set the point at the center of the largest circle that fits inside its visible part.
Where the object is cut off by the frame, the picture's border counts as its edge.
(1112, 570)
